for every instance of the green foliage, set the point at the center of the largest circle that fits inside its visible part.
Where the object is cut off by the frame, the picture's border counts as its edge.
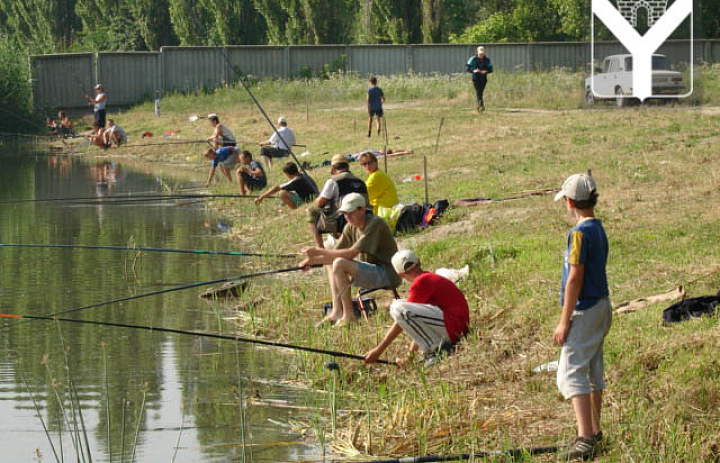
(15, 91)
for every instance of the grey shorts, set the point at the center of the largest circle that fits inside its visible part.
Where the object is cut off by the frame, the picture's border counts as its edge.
(370, 276)
(580, 369)
(229, 162)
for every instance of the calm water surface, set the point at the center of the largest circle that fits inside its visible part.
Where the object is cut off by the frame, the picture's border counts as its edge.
(157, 393)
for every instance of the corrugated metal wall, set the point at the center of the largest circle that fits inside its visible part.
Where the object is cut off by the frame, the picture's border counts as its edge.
(59, 81)
(378, 59)
(186, 68)
(313, 57)
(258, 60)
(132, 77)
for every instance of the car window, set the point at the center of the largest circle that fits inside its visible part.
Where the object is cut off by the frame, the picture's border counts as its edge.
(659, 63)
(606, 65)
(628, 63)
(614, 65)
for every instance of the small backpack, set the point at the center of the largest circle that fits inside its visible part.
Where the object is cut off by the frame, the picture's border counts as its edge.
(693, 307)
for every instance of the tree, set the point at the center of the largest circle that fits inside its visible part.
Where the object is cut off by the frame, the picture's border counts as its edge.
(432, 21)
(44, 26)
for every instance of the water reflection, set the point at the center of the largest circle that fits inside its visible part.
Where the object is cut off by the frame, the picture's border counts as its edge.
(138, 392)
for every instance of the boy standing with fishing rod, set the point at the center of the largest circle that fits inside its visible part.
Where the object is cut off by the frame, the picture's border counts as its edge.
(586, 316)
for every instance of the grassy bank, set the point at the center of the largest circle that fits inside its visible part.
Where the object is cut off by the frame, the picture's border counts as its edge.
(658, 174)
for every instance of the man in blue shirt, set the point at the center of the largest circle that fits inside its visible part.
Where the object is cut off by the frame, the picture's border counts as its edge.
(479, 66)
(375, 100)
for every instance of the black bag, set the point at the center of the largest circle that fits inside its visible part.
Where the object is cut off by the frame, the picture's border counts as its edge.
(693, 307)
(410, 218)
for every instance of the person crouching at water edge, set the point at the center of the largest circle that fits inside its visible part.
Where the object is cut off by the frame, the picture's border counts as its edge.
(366, 237)
(225, 157)
(435, 314)
(299, 188)
(250, 174)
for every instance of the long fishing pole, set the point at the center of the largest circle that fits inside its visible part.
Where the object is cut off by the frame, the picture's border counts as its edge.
(169, 290)
(147, 249)
(197, 333)
(514, 453)
(130, 197)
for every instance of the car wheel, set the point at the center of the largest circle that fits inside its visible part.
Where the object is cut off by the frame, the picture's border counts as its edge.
(589, 98)
(620, 99)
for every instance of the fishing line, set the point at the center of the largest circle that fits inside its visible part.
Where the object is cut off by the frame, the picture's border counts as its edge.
(177, 288)
(196, 333)
(129, 198)
(146, 249)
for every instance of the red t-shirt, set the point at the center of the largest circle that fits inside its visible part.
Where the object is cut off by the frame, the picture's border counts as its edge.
(429, 288)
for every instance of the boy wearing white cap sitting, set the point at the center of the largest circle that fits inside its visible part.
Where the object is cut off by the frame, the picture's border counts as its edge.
(586, 316)
(277, 146)
(367, 237)
(435, 314)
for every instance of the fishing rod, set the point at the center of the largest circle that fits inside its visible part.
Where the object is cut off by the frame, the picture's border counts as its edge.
(169, 290)
(146, 249)
(514, 453)
(197, 333)
(130, 197)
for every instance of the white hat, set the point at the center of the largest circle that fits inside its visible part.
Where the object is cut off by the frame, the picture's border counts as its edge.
(352, 202)
(282, 120)
(99, 86)
(578, 187)
(401, 259)
(481, 49)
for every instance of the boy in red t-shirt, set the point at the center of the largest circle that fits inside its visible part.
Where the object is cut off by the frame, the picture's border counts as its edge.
(435, 314)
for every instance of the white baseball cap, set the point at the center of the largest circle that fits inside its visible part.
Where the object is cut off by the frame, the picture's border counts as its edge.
(404, 260)
(352, 202)
(481, 49)
(282, 120)
(99, 86)
(578, 187)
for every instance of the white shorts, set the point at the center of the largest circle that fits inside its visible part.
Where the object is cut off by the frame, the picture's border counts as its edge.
(580, 369)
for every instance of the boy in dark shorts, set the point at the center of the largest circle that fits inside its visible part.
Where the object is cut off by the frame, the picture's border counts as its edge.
(586, 316)
(250, 174)
(297, 190)
(375, 100)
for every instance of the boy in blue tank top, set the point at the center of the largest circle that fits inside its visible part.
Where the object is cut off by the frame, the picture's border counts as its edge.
(586, 316)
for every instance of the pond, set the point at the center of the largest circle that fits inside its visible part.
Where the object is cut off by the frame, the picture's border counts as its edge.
(121, 394)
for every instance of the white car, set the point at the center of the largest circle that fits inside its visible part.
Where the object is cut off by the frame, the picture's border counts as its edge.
(614, 80)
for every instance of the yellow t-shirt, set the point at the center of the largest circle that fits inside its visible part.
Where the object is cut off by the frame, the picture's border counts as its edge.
(381, 190)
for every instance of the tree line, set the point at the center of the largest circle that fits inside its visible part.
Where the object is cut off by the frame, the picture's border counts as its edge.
(55, 26)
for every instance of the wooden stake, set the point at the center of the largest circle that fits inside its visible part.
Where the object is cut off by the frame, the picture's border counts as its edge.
(427, 200)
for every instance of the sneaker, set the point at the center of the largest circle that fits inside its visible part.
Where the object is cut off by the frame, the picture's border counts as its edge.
(436, 355)
(600, 443)
(580, 449)
(369, 133)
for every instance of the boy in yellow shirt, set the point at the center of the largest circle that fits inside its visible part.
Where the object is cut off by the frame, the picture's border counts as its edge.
(381, 189)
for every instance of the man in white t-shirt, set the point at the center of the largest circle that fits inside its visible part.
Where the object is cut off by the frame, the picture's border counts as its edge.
(277, 146)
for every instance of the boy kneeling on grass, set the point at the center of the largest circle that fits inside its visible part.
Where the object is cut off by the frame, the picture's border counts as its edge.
(586, 316)
(435, 314)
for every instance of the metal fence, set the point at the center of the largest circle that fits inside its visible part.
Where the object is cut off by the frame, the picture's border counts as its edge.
(60, 80)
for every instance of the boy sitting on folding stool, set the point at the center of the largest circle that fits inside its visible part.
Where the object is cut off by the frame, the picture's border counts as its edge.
(435, 314)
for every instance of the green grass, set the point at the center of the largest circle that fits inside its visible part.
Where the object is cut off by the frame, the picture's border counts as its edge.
(658, 174)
